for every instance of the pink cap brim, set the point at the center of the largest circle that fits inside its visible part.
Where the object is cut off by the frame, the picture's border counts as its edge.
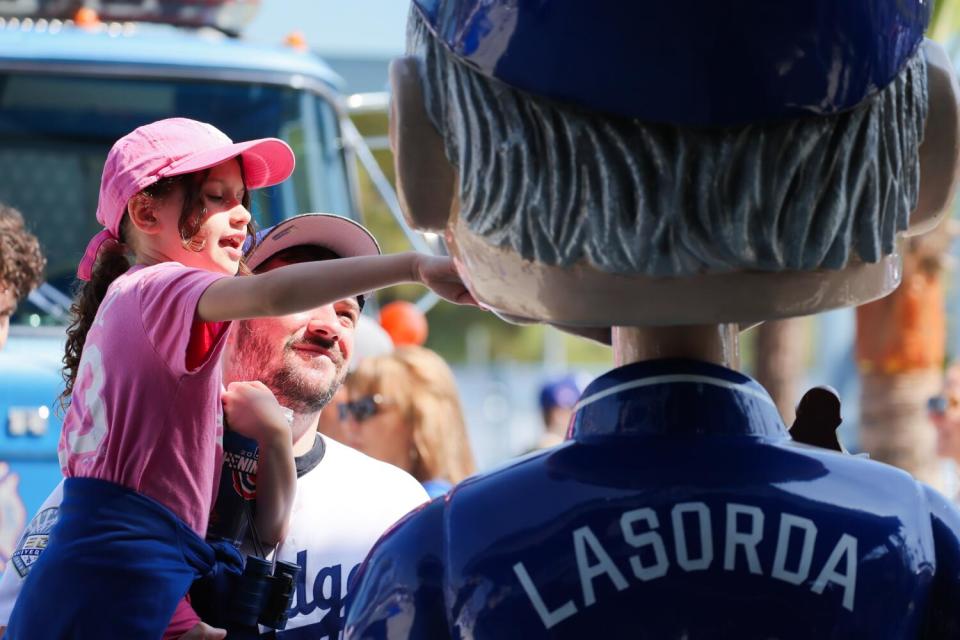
(266, 162)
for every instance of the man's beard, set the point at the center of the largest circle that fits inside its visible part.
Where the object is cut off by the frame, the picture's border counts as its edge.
(297, 393)
(254, 359)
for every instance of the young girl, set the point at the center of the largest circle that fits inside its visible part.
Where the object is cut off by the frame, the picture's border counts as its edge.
(141, 439)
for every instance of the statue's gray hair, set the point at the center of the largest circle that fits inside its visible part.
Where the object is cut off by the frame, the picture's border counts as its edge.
(559, 185)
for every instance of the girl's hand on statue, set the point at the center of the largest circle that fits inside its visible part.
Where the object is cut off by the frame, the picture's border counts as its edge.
(440, 276)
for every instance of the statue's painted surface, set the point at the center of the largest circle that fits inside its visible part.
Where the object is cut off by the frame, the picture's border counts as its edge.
(657, 175)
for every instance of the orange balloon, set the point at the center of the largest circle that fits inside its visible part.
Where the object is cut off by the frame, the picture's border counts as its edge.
(405, 323)
(296, 40)
(86, 17)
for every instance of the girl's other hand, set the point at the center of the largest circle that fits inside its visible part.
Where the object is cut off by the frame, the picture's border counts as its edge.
(203, 631)
(251, 410)
(441, 277)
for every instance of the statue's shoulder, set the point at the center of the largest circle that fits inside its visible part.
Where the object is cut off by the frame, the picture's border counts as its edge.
(942, 617)
(399, 590)
(399, 585)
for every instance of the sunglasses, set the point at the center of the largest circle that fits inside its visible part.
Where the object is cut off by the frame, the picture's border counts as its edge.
(940, 403)
(362, 408)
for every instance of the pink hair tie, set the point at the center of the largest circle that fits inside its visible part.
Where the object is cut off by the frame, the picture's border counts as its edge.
(85, 270)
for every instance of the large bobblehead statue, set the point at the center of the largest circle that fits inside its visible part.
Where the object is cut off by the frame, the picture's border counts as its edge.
(663, 174)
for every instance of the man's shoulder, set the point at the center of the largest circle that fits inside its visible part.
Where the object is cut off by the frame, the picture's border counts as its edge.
(353, 461)
(366, 475)
(504, 488)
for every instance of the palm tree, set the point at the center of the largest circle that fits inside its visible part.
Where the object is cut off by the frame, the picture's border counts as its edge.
(901, 348)
(780, 347)
(901, 343)
(901, 339)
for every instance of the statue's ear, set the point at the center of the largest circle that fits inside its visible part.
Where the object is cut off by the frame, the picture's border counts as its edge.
(425, 178)
(940, 150)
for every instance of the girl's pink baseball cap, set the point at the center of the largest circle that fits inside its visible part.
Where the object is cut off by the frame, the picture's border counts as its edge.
(174, 147)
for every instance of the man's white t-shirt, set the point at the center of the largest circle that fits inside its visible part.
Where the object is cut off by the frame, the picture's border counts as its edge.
(341, 509)
(345, 501)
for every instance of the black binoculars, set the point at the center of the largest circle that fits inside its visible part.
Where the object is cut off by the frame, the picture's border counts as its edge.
(260, 596)
(263, 592)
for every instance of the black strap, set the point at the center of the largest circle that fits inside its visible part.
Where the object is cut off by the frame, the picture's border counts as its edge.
(257, 544)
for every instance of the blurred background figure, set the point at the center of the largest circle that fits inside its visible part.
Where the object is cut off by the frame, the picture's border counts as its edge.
(901, 345)
(21, 265)
(817, 418)
(558, 397)
(369, 340)
(945, 415)
(404, 409)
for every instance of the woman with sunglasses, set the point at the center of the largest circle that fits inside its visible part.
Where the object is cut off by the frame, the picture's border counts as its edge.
(404, 409)
(944, 412)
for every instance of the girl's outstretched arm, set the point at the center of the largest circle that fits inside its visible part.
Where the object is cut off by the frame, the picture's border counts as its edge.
(299, 287)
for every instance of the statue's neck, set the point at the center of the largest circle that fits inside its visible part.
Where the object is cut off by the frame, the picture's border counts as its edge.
(716, 343)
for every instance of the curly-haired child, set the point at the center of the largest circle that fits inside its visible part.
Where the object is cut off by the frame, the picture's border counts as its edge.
(21, 265)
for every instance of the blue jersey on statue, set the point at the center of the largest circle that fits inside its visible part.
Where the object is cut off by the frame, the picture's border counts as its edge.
(680, 508)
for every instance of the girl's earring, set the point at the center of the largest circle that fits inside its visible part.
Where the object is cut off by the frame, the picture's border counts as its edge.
(192, 244)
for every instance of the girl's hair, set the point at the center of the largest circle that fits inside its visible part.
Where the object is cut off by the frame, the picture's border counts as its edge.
(112, 262)
(421, 386)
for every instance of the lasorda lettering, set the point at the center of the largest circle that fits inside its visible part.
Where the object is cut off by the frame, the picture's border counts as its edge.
(693, 528)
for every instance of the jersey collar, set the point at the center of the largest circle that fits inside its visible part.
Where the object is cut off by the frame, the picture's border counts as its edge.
(308, 461)
(676, 397)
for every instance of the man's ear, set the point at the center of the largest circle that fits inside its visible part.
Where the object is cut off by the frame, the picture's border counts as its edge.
(425, 178)
(940, 150)
(142, 216)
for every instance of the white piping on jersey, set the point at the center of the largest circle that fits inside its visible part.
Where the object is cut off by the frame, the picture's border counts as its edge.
(647, 382)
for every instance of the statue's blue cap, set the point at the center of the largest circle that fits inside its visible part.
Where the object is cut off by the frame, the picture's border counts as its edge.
(688, 62)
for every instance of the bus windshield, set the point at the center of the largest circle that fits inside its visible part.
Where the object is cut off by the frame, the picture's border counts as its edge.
(56, 130)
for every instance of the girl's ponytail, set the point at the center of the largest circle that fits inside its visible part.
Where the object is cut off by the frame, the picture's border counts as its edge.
(111, 264)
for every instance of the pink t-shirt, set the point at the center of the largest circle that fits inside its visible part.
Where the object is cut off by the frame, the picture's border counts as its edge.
(138, 416)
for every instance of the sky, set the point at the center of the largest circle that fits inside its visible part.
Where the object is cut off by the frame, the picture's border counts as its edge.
(357, 27)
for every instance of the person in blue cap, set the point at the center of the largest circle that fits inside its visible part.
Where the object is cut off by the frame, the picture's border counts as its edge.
(557, 397)
(659, 175)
